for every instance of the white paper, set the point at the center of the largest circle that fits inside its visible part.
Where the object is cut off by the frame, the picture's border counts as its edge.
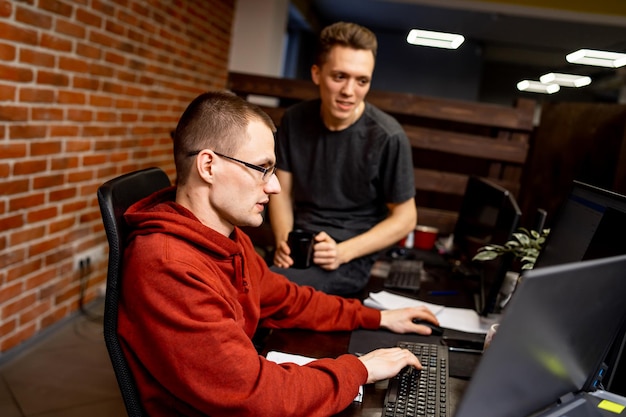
(462, 319)
(281, 357)
(387, 301)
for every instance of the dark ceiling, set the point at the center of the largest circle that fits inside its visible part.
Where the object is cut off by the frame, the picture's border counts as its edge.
(532, 40)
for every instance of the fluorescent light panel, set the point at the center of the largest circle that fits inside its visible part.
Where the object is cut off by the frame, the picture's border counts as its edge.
(434, 39)
(565, 80)
(537, 87)
(597, 58)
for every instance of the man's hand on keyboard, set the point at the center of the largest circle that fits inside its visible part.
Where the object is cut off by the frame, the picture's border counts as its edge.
(401, 320)
(386, 363)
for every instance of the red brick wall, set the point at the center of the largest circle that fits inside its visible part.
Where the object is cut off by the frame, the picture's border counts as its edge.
(89, 89)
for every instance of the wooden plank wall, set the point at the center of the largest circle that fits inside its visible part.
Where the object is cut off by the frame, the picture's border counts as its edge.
(451, 139)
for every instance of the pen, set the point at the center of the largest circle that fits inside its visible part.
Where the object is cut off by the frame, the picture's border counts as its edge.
(443, 292)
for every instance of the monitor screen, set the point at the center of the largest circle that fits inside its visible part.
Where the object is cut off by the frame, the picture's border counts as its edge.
(488, 214)
(551, 341)
(590, 225)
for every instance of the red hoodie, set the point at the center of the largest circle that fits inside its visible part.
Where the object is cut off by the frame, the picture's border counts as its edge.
(191, 302)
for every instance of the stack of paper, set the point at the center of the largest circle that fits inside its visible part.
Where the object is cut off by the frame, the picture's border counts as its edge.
(462, 319)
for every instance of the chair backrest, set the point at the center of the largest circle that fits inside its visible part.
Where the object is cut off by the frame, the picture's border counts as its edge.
(114, 197)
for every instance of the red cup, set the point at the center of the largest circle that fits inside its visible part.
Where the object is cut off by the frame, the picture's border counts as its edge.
(425, 237)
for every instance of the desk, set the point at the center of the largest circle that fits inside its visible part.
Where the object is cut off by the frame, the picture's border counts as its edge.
(333, 344)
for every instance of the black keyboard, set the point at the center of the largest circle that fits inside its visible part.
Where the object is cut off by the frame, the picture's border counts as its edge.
(420, 393)
(404, 274)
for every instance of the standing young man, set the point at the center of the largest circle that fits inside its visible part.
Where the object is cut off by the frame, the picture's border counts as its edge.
(195, 291)
(345, 168)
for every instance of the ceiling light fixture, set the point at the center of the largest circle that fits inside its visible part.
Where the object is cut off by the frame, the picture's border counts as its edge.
(565, 80)
(597, 58)
(537, 87)
(434, 39)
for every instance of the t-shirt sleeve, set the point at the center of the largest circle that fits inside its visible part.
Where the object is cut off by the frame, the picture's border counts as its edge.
(396, 169)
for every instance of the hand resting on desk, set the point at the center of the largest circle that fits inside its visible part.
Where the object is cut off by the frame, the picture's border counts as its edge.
(401, 320)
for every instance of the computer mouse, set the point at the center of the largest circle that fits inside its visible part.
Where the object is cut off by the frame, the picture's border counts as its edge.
(437, 330)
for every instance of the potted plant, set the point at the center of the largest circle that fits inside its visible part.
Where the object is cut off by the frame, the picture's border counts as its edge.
(524, 247)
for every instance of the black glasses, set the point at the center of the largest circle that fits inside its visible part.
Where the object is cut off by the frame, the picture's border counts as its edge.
(267, 172)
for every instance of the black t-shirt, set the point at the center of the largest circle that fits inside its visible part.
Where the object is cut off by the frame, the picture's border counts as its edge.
(342, 180)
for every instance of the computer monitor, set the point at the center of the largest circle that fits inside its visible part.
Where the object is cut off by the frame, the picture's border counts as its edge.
(552, 339)
(489, 214)
(590, 224)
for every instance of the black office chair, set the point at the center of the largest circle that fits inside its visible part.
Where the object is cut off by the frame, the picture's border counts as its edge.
(114, 197)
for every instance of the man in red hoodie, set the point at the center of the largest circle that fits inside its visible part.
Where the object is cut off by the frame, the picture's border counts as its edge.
(195, 291)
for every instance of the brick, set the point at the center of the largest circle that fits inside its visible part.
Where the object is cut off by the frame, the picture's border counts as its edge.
(7, 92)
(33, 18)
(13, 113)
(45, 148)
(46, 113)
(100, 100)
(60, 225)
(7, 52)
(57, 79)
(6, 9)
(115, 28)
(103, 39)
(67, 131)
(56, 7)
(54, 316)
(55, 43)
(106, 116)
(77, 145)
(12, 150)
(17, 305)
(63, 163)
(26, 131)
(15, 187)
(11, 257)
(69, 28)
(41, 215)
(26, 235)
(79, 115)
(88, 18)
(12, 222)
(99, 70)
(16, 74)
(71, 97)
(103, 6)
(8, 326)
(88, 51)
(65, 194)
(48, 181)
(28, 166)
(73, 64)
(44, 246)
(18, 34)
(86, 83)
(73, 207)
(59, 256)
(89, 160)
(36, 95)
(115, 58)
(30, 201)
(34, 312)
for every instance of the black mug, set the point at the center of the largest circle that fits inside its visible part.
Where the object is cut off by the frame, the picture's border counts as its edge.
(301, 244)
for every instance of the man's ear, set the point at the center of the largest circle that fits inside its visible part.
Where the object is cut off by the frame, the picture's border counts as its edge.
(315, 74)
(204, 165)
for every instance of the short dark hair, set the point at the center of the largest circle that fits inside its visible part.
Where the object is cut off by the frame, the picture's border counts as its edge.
(345, 34)
(215, 120)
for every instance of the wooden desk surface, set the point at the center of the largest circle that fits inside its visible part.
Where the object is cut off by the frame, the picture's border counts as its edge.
(333, 344)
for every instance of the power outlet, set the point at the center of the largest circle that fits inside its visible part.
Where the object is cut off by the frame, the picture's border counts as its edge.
(86, 260)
